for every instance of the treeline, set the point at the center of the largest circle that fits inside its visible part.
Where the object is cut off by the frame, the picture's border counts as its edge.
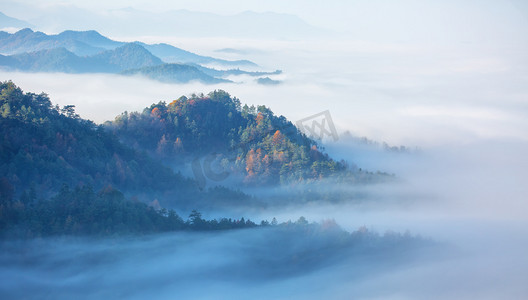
(82, 211)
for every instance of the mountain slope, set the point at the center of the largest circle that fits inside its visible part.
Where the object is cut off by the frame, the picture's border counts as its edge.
(89, 43)
(7, 60)
(27, 40)
(174, 73)
(43, 147)
(249, 142)
(48, 146)
(128, 56)
(130, 59)
(89, 37)
(49, 60)
(61, 60)
(173, 54)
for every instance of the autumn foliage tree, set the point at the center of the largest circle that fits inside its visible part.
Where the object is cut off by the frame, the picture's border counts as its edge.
(251, 141)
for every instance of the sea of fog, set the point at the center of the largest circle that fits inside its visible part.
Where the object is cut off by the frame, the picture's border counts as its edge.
(460, 108)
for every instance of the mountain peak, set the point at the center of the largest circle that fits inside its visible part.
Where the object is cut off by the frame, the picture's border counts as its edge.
(132, 47)
(24, 31)
(129, 56)
(81, 32)
(89, 37)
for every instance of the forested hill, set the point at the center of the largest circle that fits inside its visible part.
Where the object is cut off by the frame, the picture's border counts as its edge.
(43, 147)
(248, 141)
(49, 145)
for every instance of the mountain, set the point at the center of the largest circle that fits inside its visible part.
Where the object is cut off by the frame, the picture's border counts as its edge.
(129, 59)
(172, 54)
(89, 51)
(49, 60)
(250, 143)
(89, 37)
(27, 40)
(10, 22)
(128, 56)
(89, 43)
(125, 57)
(179, 73)
(44, 147)
(7, 60)
(174, 73)
(48, 146)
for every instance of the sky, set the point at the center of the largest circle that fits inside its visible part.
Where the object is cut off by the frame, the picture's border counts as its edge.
(406, 19)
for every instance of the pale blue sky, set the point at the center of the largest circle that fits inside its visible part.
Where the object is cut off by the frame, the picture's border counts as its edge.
(405, 19)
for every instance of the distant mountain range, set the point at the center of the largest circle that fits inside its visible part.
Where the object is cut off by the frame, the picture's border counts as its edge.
(85, 43)
(172, 54)
(91, 52)
(129, 21)
(61, 60)
(10, 22)
(78, 42)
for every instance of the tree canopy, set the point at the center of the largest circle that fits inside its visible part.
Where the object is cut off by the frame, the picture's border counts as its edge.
(249, 141)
